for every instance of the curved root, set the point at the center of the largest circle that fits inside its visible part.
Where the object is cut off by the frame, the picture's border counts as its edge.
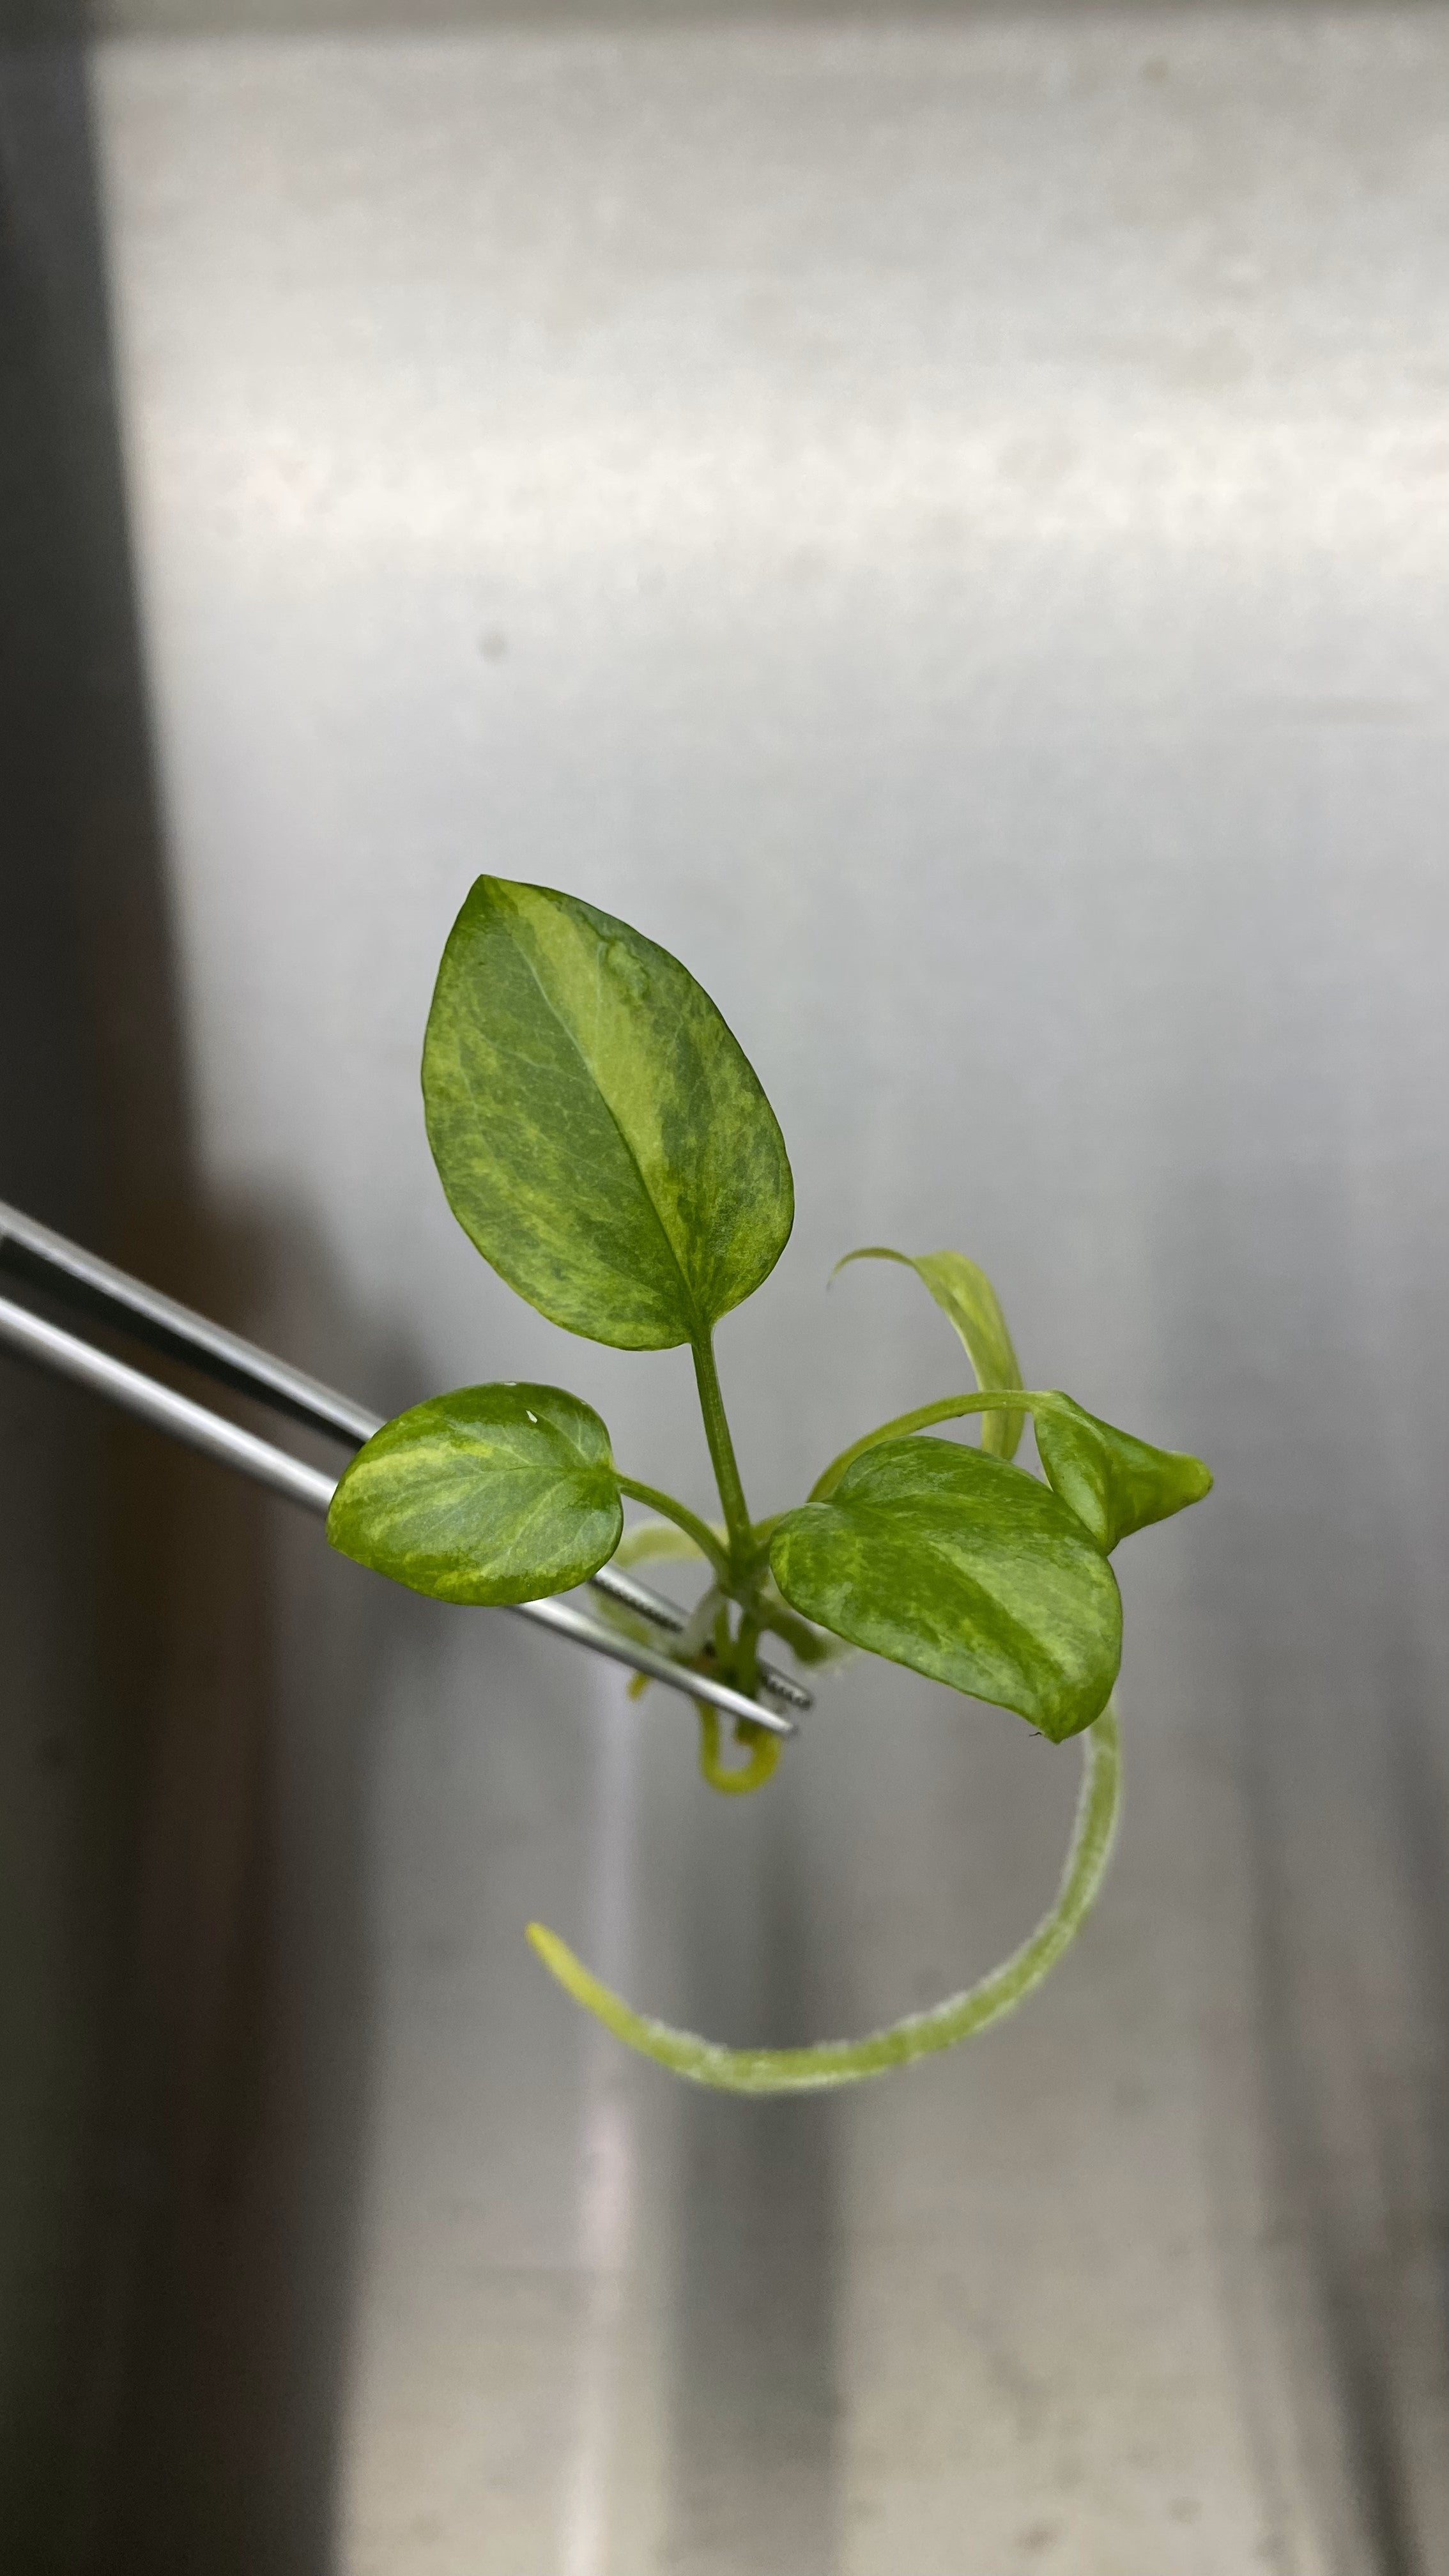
(846, 2061)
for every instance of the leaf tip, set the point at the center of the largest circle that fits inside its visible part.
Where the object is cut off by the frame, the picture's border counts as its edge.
(866, 1252)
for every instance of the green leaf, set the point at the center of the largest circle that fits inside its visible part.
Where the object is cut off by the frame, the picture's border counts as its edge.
(599, 1133)
(965, 1294)
(965, 1568)
(1113, 1483)
(495, 1493)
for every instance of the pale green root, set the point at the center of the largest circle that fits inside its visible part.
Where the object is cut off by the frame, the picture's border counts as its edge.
(957, 2017)
(762, 1747)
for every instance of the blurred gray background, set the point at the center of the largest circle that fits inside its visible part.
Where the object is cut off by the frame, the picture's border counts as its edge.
(941, 520)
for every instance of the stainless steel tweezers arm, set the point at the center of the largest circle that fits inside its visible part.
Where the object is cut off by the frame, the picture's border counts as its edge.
(33, 1253)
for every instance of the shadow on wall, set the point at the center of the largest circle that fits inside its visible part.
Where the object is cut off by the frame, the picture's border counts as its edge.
(180, 1949)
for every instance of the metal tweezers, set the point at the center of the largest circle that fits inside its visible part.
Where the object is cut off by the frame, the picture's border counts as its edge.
(31, 1253)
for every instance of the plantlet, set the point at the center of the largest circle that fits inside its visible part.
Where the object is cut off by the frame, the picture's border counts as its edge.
(603, 1141)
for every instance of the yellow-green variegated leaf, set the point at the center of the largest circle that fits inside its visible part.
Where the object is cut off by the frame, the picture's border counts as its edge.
(495, 1493)
(965, 1294)
(598, 1130)
(1114, 1483)
(965, 1568)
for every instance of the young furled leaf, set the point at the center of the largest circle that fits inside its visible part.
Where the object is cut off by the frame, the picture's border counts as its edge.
(965, 1294)
(968, 1570)
(597, 1128)
(1114, 1483)
(495, 1493)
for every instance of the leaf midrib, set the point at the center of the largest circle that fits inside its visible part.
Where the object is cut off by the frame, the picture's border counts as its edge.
(552, 1008)
(928, 1545)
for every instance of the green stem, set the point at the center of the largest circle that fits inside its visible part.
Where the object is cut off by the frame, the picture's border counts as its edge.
(747, 1655)
(845, 2061)
(1016, 1400)
(682, 1517)
(722, 1454)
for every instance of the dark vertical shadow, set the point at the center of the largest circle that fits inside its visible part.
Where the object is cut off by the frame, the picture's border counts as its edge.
(756, 2411)
(1348, 1856)
(181, 1976)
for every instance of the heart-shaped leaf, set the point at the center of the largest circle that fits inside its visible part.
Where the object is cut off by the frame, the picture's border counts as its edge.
(495, 1493)
(1113, 1483)
(963, 1291)
(968, 1570)
(599, 1132)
